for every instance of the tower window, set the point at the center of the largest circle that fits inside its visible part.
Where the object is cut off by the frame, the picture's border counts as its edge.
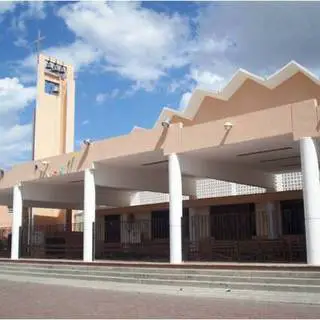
(51, 88)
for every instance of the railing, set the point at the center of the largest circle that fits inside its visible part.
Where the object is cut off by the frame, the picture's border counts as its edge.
(5, 242)
(146, 240)
(255, 250)
(232, 237)
(204, 238)
(59, 241)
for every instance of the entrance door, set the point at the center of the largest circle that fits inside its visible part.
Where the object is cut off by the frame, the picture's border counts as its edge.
(293, 228)
(160, 224)
(232, 222)
(292, 212)
(112, 228)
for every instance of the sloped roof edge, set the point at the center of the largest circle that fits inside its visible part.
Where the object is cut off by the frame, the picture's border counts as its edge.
(137, 128)
(235, 83)
(164, 115)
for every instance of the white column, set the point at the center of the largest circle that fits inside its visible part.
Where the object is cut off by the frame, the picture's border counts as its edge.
(175, 190)
(16, 222)
(89, 214)
(311, 197)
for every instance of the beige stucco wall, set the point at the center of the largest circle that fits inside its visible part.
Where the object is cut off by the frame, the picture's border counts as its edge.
(5, 217)
(253, 97)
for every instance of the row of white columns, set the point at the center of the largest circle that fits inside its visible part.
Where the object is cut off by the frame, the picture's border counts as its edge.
(89, 212)
(311, 195)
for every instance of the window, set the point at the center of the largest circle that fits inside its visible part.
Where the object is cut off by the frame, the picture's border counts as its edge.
(51, 88)
(233, 222)
(78, 222)
(160, 224)
(292, 214)
(112, 225)
(185, 224)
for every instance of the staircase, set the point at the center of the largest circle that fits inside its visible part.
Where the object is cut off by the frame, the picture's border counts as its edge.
(279, 280)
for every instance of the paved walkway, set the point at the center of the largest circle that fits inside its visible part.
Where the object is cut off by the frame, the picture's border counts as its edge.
(32, 300)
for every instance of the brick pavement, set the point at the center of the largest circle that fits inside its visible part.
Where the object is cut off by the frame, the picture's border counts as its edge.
(29, 300)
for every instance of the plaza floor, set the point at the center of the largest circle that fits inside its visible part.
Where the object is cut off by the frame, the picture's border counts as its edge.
(33, 300)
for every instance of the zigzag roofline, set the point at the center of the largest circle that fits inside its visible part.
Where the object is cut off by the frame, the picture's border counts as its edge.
(236, 82)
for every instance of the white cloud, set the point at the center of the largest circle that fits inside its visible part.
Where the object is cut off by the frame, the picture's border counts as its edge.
(102, 97)
(260, 36)
(6, 6)
(14, 96)
(30, 10)
(85, 122)
(21, 42)
(15, 138)
(206, 79)
(138, 43)
(77, 53)
(143, 45)
(36, 10)
(185, 100)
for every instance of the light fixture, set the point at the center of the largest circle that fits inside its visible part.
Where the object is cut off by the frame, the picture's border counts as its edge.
(44, 163)
(228, 125)
(166, 123)
(1, 173)
(86, 142)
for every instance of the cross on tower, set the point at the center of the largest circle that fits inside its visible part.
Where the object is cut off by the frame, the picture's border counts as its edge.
(37, 43)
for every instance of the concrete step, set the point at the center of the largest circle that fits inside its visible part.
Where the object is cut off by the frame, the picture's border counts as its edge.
(153, 274)
(174, 271)
(276, 280)
(245, 285)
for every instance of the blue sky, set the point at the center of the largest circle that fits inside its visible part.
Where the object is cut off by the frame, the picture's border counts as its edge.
(134, 58)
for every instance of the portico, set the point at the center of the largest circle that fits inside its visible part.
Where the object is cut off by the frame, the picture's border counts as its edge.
(113, 182)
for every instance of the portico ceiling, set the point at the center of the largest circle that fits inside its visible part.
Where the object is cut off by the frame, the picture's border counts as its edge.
(148, 171)
(274, 155)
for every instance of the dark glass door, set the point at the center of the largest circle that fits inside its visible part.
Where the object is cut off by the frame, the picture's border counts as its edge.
(112, 228)
(233, 222)
(160, 224)
(292, 212)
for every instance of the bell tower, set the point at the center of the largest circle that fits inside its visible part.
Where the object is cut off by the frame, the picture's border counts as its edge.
(53, 125)
(53, 132)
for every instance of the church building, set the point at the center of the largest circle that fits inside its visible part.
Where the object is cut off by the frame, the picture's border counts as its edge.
(234, 177)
